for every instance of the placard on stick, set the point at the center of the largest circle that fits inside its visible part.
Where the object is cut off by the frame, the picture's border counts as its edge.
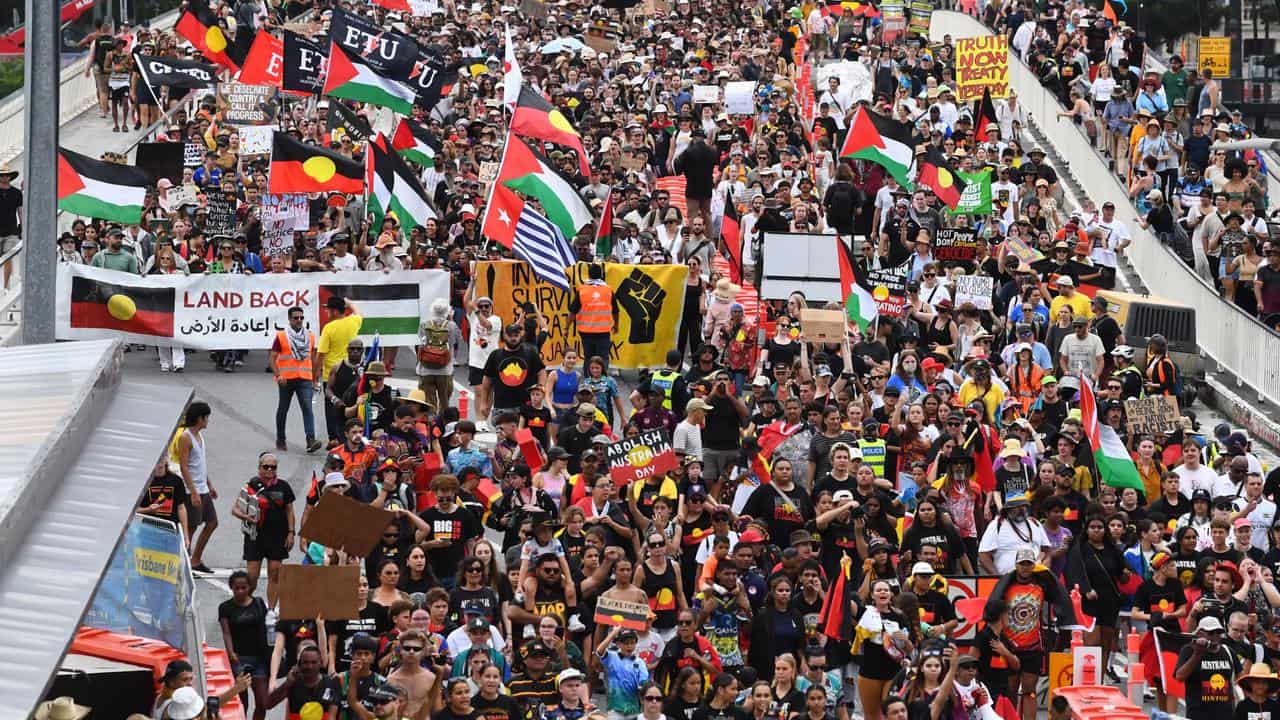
(308, 591)
(634, 616)
(975, 290)
(344, 524)
(1152, 415)
(823, 325)
(636, 458)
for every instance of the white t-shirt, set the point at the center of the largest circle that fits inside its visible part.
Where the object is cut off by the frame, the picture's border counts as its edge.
(1113, 234)
(345, 263)
(481, 343)
(1202, 478)
(1003, 541)
(1261, 517)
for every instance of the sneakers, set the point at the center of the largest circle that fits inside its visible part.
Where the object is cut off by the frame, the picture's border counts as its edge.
(313, 445)
(575, 623)
(281, 445)
(202, 569)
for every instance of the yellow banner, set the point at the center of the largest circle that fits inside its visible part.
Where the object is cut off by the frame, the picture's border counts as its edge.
(156, 564)
(1215, 53)
(982, 62)
(648, 301)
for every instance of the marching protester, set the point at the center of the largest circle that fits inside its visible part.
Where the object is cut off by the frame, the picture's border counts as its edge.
(664, 487)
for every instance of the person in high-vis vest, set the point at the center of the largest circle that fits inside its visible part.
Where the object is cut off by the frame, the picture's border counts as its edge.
(296, 366)
(592, 306)
(1127, 373)
(874, 450)
(670, 382)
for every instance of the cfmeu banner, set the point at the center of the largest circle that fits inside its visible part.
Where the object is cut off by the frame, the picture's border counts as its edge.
(147, 586)
(230, 312)
(647, 301)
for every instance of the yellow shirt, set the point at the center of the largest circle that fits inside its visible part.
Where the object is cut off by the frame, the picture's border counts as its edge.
(334, 338)
(969, 392)
(1079, 302)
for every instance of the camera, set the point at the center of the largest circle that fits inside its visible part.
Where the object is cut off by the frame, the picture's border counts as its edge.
(858, 512)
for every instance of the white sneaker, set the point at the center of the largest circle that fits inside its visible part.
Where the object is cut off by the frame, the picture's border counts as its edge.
(528, 631)
(575, 623)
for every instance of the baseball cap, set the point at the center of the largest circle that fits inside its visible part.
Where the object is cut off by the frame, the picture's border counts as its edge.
(923, 568)
(751, 536)
(569, 674)
(537, 647)
(587, 410)
(1242, 522)
(842, 495)
(1025, 555)
(696, 404)
(1209, 624)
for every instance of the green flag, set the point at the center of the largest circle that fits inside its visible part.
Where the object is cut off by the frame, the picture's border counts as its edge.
(976, 198)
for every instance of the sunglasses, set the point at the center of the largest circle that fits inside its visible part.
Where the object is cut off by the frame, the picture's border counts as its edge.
(411, 648)
(268, 467)
(685, 622)
(653, 698)
(475, 570)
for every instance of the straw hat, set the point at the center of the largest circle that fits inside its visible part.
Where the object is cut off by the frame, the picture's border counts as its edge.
(725, 289)
(417, 396)
(6, 171)
(1261, 671)
(63, 708)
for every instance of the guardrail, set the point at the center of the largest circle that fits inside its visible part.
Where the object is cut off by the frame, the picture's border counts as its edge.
(1234, 339)
(77, 93)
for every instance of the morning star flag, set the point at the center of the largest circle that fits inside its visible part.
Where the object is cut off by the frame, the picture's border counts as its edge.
(524, 171)
(415, 143)
(393, 188)
(298, 167)
(1115, 467)
(304, 63)
(882, 141)
(540, 243)
(350, 78)
(96, 189)
(172, 72)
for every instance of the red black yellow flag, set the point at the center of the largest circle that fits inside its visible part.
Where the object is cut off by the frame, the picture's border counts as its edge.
(984, 115)
(140, 310)
(199, 26)
(938, 175)
(297, 167)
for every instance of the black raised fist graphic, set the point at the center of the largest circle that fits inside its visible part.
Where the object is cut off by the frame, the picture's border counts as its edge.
(640, 296)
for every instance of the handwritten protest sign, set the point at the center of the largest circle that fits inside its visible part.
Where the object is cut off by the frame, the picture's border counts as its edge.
(645, 455)
(307, 591)
(222, 213)
(740, 97)
(243, 104)
(183, 195)
(649, 300)
(955, 245)
(192, 155)
(224, 311)
(630, 615)
(976, 290)
(706, 94)
(1152, 415)
(255, 139)
(982, 62)
(889, 289)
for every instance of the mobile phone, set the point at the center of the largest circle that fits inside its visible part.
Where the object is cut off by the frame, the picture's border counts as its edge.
(212, 707)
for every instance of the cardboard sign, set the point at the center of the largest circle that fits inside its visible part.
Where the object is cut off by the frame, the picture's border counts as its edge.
(976, 290)
(955, 245)
(256, 140)
(329, 591)
(706, 94)
(981, 62)
(826, 326)
(534, 9)
(1152, 415)
(1021, 250)
(636, 458)
(488, 173)
(634, 616)
(192, 155)
(222, 213)
(243, 104)
(634, 163)
(344, 524)
(599, 42)
(183, 195)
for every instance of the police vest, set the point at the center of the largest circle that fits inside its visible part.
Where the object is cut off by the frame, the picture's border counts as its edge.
(290, 367)
(873, 454)
(596, 314)
(664, 380)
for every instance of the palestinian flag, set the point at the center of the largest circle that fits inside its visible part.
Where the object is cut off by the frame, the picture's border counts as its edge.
(731, 234)
(297, 167)
(126, 308)
(386, 309)
(984, 115)
(524, 171)
(199, 26)
(393, 189)
(859, 303)
(882, 141)
(1115, 466)
(350, 78)
(415, 143)
(604, 228)
(534, 117)
(938, 175)
(96, 189)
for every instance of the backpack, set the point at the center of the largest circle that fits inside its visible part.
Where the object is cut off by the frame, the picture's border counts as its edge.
(434, 352)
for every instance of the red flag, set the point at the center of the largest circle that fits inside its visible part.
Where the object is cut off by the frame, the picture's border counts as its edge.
(762, 468)
(1168, 645)
(773, 434)
(984, 115)
(604, 227)
(983, 470)
(1109, 12)
(199, 26)
(264, 65)
(731, 235)
(835, 620)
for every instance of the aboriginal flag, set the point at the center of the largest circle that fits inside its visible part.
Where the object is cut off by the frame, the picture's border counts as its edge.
(632, 619)
(131, 309)
(938, 175)
(297, 167)
(1167, 646)
(731, 234)
(836, 619)
(199, 26)
(984, 115)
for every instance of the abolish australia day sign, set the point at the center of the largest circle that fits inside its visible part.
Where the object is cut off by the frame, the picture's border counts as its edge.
(643, 456)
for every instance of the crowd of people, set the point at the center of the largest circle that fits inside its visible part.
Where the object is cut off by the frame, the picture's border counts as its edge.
(950, 440)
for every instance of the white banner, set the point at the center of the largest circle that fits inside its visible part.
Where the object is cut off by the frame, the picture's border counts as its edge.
(229, 312)
(740, 98)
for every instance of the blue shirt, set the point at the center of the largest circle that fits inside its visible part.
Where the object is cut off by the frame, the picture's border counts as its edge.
(624, 676)
(458, 459)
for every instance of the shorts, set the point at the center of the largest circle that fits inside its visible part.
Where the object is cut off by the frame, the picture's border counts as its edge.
(475, 376)
(7, 242)
(1222, 270)
(206, 513)
(269, 548)
(100, 80)
(120, 93)
(1031, 661)
(257, 666)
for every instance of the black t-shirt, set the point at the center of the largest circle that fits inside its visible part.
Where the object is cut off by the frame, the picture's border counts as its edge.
(1247, 709)
(1153, 598)
(946, 538)
(373, 621)
(10, 202)
(1017, 481)
(484, 601)
(510, 372)
(782, 515)
(381, 405)
(537, 420)
(679, 709)
(936, 607)
(721, 430)
(732, 712)
(1211, 683)
(501, 707)
(992, 667)
(325, 694)
(781, 354)
(274, 503)
(457, 527)
(294, 631)
(167, 491)
(1171, 511)
(248, 624)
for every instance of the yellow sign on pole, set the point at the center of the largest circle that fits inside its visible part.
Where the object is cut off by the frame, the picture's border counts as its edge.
(1215, 54)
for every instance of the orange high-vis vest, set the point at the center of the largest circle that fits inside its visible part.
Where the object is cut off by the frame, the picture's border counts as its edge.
(596, 314)
(290, 367)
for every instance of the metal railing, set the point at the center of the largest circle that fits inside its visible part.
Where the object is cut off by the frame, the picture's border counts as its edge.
(1234, 339)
